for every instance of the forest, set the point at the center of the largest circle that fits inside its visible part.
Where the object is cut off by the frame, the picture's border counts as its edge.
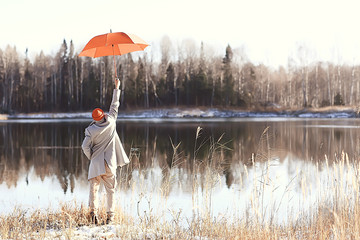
(186, 75)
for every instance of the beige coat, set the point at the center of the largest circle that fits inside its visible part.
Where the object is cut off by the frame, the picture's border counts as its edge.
(102, 142)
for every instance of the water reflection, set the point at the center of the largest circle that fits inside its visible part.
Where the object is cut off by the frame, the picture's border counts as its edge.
(53, 148)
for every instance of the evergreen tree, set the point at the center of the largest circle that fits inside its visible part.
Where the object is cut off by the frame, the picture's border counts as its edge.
(338, 100)
(228, 79)
(2, 82)
(28, 90)
(140, 85)
(170, 78)
(62, 73)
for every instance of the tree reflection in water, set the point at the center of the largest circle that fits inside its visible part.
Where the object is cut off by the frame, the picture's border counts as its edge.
(53, 148)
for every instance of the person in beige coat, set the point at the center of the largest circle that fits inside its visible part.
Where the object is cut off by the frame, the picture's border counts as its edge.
(102, 146)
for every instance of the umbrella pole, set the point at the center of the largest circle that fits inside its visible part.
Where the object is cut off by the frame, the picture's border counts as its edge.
(114, 61)
(115, 66)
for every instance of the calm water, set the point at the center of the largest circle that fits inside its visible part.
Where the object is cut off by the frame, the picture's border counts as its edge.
(41, 163)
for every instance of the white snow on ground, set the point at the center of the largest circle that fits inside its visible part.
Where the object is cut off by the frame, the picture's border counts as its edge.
(88, 232)
(85, 232)
(176, 113)
(103, 232)
(108, 232)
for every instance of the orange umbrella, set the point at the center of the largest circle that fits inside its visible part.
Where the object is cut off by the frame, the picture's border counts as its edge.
(118, 43)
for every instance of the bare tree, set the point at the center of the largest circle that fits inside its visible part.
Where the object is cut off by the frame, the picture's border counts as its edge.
(11, 76)
(187, 50)
(239, 58)
(304, 57)
(352, 85)
(290, 74)
(147, 103)
(166, 49)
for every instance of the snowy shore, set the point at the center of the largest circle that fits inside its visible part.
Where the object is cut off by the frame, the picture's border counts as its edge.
(177, 113)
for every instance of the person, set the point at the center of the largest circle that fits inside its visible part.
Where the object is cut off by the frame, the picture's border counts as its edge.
(102, 146)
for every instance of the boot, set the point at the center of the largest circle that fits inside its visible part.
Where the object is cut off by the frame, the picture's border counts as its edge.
(94, 219)
(110, 218)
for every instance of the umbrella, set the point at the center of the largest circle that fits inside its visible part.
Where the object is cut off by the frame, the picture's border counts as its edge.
(118, 43)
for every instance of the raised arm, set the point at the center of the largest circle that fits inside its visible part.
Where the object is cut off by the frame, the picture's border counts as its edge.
(113, 111)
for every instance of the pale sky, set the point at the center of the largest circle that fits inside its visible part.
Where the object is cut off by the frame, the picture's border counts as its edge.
(269, 30)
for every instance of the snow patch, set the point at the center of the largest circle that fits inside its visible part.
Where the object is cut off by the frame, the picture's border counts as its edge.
(176, 113)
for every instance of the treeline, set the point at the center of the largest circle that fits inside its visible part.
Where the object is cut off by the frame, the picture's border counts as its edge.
(191, 76)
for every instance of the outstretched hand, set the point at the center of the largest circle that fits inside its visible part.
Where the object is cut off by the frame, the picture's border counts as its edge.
(117, 83)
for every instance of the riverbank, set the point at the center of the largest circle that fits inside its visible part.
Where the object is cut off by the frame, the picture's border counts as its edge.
(327, 112)
(326, 222)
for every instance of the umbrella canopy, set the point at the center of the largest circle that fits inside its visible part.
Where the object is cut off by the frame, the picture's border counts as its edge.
(118, 43)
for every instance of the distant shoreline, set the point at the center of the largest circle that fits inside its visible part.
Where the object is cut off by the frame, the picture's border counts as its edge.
(168, 113)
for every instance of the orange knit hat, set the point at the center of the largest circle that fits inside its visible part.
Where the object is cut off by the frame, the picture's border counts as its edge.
(97, 114)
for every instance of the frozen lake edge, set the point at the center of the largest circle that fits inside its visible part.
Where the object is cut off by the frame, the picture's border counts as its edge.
(211, 113)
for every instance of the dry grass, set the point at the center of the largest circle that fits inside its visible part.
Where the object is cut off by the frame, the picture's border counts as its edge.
(335, 216)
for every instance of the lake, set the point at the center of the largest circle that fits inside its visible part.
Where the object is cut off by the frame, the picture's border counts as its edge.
(278, 167)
